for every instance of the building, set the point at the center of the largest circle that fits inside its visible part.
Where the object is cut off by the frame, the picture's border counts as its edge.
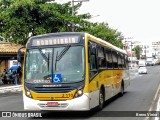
(8, 55)
(156, 49)
(128, 46)
(148, 50)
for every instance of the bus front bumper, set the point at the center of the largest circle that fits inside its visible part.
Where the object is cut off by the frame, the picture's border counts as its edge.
(76, 104)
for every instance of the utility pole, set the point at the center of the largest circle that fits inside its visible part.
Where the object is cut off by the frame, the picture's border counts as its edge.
(73, 9)
(73, 14)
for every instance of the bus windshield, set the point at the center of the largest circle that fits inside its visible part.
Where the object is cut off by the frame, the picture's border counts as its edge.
(43, 63)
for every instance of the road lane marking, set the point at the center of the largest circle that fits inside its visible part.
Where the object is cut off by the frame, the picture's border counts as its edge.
(153, 101)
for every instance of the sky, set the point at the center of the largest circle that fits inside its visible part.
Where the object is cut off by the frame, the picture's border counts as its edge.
(136, 19)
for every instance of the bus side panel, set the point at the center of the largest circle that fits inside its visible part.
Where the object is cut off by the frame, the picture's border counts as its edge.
(118, 76)
(108, 83)
(90, 87)
(104, 78)
(94, 92)
(126, 79)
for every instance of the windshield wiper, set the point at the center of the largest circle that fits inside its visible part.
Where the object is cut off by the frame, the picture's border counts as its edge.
(43, 55)
(58, 57)
(62, 53)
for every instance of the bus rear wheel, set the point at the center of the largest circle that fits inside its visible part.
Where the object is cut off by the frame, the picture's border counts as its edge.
(122, 90)
(101, 100)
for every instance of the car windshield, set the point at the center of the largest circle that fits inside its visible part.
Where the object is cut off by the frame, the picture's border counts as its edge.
(48, 65)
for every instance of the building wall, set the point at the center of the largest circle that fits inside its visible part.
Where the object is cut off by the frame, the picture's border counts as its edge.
(3, 65)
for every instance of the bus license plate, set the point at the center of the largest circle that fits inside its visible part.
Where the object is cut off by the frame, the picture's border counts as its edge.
(52, 104)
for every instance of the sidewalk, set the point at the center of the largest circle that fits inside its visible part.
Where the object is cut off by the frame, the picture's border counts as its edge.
(9, 88)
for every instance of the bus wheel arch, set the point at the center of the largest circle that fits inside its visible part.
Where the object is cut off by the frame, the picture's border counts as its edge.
(101, 97)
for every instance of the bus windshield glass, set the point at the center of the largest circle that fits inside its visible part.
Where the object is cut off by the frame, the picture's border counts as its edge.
(45, 65)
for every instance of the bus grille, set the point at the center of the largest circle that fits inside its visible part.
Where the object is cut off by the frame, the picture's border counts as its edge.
(53, 90)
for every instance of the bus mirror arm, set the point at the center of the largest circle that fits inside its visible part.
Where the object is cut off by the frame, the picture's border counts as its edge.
(19, 54)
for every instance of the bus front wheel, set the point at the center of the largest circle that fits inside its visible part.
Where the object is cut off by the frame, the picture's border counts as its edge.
(101, 100)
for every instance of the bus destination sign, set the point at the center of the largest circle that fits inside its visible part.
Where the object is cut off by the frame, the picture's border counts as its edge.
(55, 40)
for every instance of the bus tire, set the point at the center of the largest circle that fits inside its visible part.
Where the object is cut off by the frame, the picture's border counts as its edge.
(101, 99)
(121, 93)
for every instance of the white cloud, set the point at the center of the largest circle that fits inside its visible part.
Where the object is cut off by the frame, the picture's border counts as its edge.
(139, 19)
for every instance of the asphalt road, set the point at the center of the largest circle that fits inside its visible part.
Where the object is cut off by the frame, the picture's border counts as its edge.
(140, 96)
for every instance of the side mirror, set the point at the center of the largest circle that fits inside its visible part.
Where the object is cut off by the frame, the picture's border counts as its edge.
(19, 54)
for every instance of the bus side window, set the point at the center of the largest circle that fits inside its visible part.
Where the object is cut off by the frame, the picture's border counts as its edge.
(92, 59)
(109, 58)
(125, 62)
(120, 61)
(101, 58)
(122, 57)
(115, 59)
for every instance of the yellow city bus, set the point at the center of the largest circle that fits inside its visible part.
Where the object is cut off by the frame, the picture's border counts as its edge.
(72, 71)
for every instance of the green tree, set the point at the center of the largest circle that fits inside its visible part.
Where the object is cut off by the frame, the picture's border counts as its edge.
(137, 51)
(21, 19)
(103, 31)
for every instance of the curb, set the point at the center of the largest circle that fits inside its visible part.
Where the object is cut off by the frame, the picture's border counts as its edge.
(158, 109)
(15, 88)
(158, 104)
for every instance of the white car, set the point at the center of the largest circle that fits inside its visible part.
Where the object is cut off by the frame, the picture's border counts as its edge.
(142, 70)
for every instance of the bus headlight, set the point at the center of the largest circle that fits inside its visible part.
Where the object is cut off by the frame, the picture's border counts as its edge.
(79, 92)
(27, 92)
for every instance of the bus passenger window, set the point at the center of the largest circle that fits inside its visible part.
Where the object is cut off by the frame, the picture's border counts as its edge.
(122, 57)
(101, 58)
(120, 61)
(126, 62)
(115, 59)
(109, 58)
